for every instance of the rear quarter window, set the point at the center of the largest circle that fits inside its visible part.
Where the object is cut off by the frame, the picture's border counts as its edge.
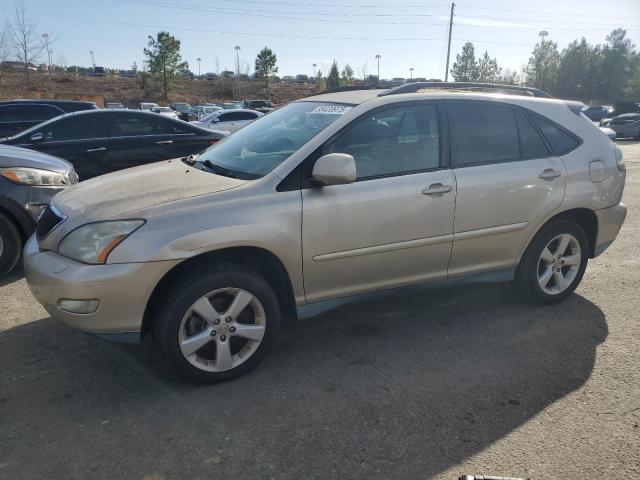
(560, 140)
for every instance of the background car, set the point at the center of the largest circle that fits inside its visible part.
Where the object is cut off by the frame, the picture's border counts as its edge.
(102, 141)
(626, 125)
(229, 105)
(28, 182)
(262, 106)
(18, 115)
(184, 111)
(228, 120)
(165, 112)
(595, 113)
(608, 132)
(148, 106)
(114, 106)
(204, 110)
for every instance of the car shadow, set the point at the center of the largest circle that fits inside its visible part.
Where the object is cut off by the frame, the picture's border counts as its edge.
(402, 384)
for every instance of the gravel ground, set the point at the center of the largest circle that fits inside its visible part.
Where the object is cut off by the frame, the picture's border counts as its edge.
(425, 383)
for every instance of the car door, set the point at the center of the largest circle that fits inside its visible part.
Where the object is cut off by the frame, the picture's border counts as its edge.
(182, 139)
(508, 182)
(79, 138)
(394, 225)
(136, 138)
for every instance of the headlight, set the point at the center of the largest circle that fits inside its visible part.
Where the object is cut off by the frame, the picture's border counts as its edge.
(93, 242)
(34, 176)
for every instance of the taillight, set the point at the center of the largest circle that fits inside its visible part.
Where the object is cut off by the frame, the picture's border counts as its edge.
(211, 142)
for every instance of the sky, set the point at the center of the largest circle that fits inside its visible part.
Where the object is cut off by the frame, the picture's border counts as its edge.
(405, 33)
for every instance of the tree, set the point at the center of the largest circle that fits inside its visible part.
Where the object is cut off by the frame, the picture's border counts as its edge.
(508, 77)
(488, 69)
(320, 80)
(578, 68)
(333, 79)
(615, 68)
(364, 70)
(465, 68)
(347, 74)
(164, 60)
(265, 65)
(543, 66)
(24, 39)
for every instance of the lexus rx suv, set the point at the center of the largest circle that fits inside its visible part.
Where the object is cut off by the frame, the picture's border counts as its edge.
(330, 196)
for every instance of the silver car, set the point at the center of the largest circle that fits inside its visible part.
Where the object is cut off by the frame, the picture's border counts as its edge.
(229, 120)
(373, 189)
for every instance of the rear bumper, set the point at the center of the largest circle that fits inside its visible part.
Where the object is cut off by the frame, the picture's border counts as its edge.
(609, 222)
(122, 290)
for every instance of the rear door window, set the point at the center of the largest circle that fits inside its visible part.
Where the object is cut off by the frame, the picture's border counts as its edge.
(482, 134)
(40, 113)
(132, 125)
(561, 141)
(11, 113)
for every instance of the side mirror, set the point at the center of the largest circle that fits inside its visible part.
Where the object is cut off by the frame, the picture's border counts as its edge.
(334, 169)
(37, 137)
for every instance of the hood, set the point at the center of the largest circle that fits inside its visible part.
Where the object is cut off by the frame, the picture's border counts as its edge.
(121, 193)
(22, 157)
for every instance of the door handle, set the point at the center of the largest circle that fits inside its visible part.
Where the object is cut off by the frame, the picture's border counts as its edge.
(164, 142)
(101, 149)
(549, 174)
(437, 189)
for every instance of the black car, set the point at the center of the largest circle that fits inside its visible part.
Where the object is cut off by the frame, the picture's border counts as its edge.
(595, 113)
(18, 115)
(28, 182)
(102, 141)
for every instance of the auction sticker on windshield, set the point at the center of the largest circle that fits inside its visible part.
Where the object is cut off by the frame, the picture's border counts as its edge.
(331, 109)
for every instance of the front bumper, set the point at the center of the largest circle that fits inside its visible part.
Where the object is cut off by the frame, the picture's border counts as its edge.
(609, 222)
(123, 291)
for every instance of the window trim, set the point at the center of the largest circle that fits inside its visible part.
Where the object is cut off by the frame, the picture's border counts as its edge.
(306, 165)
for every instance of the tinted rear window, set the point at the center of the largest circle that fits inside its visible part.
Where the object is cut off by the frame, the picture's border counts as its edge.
(561, 141)
(482, 134)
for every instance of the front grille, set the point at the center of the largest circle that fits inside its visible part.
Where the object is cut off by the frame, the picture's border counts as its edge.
(47, 221)
(73, 177)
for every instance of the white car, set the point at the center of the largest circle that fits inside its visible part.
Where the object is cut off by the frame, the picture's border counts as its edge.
(165, 112)
(228, 120)
(148, 106)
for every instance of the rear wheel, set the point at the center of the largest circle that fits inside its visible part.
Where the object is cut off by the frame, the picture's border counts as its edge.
(10, 245)
(219, 326)
(554, 263)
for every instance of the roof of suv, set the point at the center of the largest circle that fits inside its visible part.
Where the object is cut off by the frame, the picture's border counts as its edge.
(67, 105)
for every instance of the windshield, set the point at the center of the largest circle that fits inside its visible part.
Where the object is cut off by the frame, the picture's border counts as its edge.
(261, 146)
(260, 103)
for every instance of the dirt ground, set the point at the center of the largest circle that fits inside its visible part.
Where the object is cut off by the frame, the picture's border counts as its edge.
(429, 382)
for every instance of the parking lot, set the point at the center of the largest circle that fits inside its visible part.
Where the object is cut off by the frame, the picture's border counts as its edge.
(429, 382)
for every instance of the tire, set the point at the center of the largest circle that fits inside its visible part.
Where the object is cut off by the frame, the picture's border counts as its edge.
(10, 245)
(533, 270)
(178, 324)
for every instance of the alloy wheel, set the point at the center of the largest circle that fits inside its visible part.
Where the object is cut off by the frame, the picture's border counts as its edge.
(559, 264)
(222, 329)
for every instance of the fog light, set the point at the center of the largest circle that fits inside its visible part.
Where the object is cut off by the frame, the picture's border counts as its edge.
(78, 306)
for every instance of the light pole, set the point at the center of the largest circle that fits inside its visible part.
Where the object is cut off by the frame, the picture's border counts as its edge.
(411, 71)
(237, 48)
(198, 60)
(540, 67)
(314, 69)
(46, 42)
(378, 59)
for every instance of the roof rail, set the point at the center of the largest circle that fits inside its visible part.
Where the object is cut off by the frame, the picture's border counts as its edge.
(349, 88)
(469, 86)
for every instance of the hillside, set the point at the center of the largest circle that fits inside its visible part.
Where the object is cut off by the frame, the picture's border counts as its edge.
(130, 91)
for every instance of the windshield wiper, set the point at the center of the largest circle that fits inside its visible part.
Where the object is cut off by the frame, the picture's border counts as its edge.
(190, 160)
(219, 169)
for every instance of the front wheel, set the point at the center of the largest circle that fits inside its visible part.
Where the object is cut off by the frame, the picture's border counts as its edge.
(553, 264)
(219, 326)
(10, 245)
